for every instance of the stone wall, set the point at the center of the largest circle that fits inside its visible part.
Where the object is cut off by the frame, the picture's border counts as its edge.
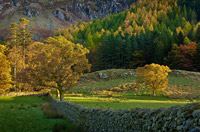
(176, 118)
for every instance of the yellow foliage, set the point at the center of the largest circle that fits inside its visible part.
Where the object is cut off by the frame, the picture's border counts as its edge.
(57, 64)
(179, 29)
(154, 76)
(5, 77)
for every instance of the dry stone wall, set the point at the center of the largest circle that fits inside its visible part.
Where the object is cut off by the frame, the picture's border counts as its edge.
(176, 118)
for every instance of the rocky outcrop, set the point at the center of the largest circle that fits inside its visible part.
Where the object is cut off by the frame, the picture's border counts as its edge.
(174, 119)
(51, 15)
(67, 10)
(92, 9)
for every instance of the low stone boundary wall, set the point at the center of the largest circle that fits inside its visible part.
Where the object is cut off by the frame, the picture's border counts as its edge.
(176, 118)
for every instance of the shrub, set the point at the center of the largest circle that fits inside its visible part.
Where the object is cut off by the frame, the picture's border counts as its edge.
(177, 92)
(50, 112)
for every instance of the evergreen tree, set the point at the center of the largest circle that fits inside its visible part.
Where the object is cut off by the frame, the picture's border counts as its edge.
(180, 38)
(198, 34)
(24, 36)
(174, 59)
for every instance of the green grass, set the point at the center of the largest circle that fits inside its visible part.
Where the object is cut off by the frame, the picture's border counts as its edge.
(184, 82)
(87, 87)
(116, 104)
(91, 93)
(23, 114)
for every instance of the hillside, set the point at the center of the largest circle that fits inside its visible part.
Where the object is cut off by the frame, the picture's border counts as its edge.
(163, 32)
(46, 15)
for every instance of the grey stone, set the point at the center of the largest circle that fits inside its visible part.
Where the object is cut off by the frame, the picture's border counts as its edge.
(132, 74)
(35, 13)
(188, 124)
(196, 129)
(179, 127)
(15, 3)
(196, 113)
(103, 76)
(59, 15)
(27, 11)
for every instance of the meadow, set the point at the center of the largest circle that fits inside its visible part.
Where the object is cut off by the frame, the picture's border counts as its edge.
(30, 114)
(120, 92)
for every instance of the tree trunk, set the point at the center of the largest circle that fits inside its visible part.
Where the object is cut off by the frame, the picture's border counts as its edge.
(24, 57)
(15, 68)
(61, 95)
(154, 94)
(57, 93)
(15, 75)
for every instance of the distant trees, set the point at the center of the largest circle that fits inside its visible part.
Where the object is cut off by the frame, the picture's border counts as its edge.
(138, 59)
(20, 37)
(175, 59)
(183, 57)
(152, 28)
(154, 76)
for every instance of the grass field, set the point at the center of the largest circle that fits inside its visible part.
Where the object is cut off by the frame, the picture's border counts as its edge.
(24, 114)
(93, 93)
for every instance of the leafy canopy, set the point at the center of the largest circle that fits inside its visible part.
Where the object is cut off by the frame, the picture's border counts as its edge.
(5, 77)
(57, 64)
(154, 76)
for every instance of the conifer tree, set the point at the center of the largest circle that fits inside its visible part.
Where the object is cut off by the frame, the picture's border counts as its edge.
(174, 59)
(198, 34)
(24, 37)
(13, 43)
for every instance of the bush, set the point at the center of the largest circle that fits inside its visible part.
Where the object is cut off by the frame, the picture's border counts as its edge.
(50, 112)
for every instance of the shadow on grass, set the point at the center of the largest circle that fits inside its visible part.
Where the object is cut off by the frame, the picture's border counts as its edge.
(23, 99)
(24, 113)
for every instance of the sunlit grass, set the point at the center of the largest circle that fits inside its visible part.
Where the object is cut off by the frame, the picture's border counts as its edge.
(113, 103)
(96, 94)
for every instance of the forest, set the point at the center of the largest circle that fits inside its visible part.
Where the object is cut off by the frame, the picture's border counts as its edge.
(165, 32)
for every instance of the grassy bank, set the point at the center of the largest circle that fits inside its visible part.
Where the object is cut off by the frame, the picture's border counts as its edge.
(24, 114)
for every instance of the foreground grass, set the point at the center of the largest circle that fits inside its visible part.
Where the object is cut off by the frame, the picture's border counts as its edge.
(23, 114)
(91, 93)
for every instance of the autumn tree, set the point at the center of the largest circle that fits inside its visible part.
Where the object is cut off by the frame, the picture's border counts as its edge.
(24, 36)
(175, 58)
(56, 64)
(190, 54)
(14, 50)
(19, 38)
(5, 77)
(15, 56)
(154, 76)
